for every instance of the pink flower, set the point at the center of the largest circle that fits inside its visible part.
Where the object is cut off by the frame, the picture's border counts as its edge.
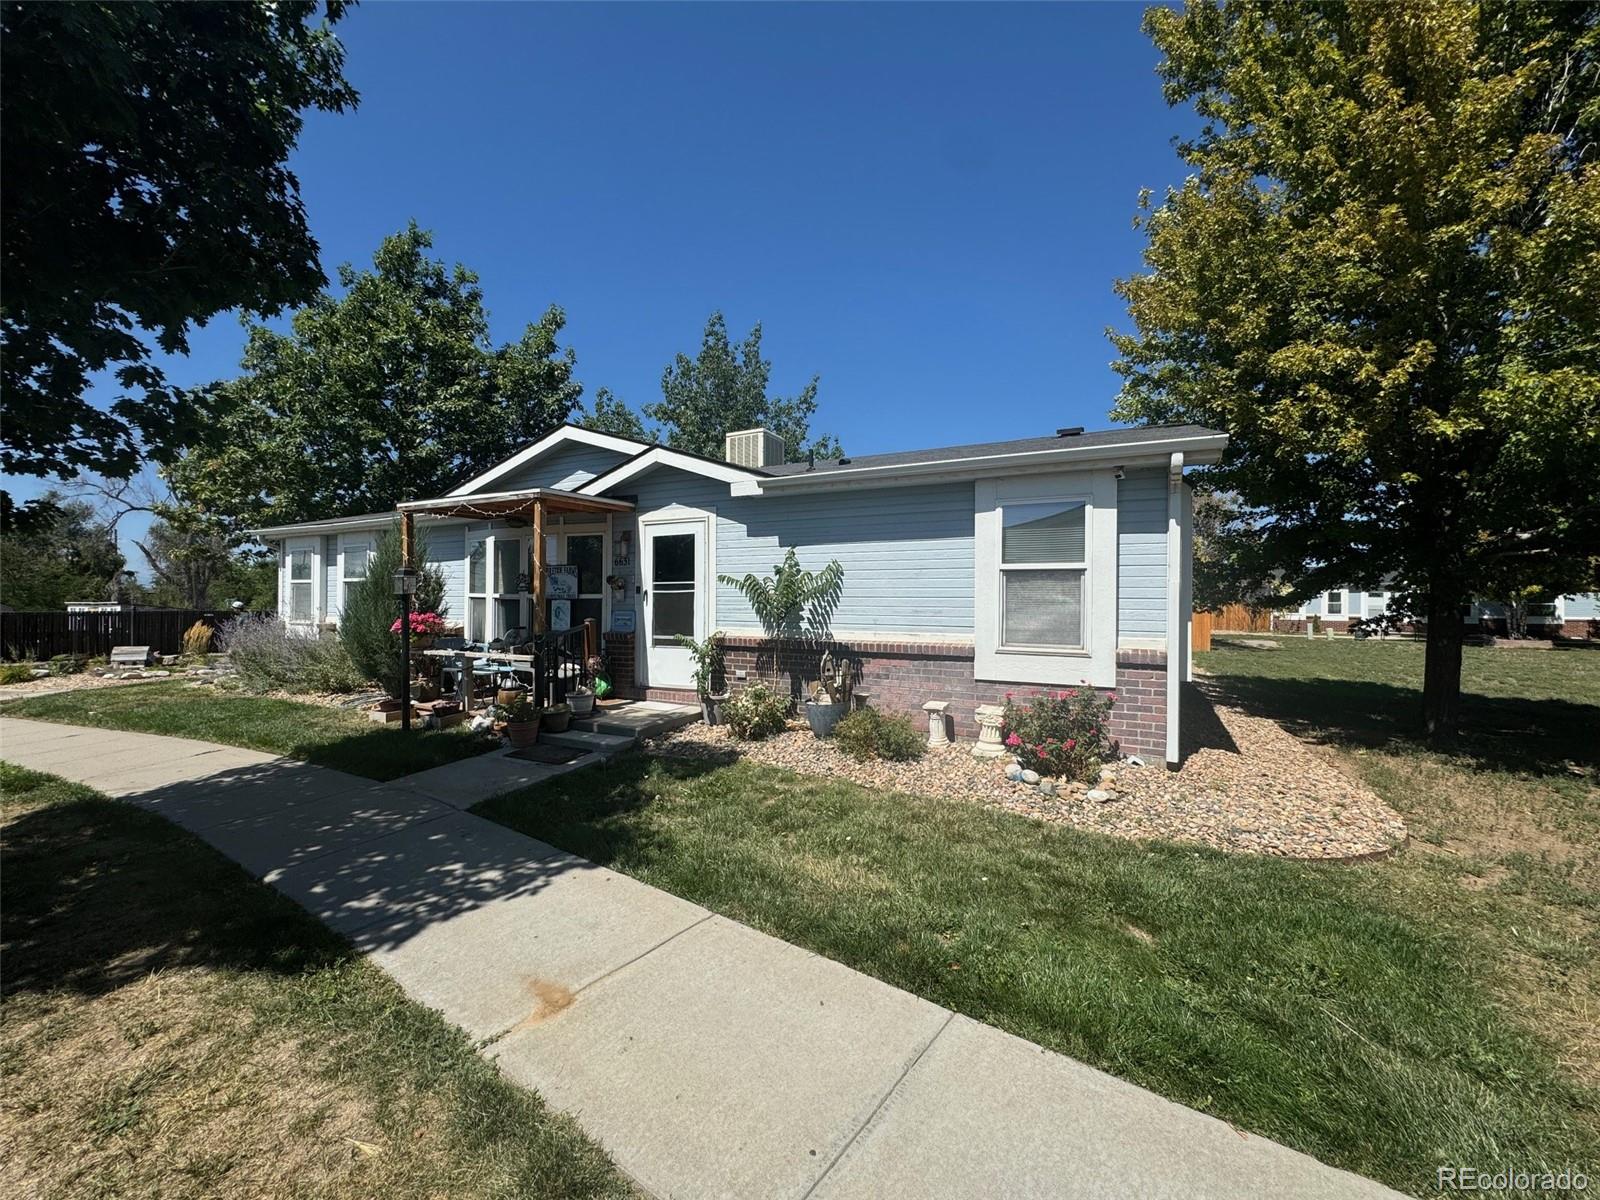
(1072, 743)
(1013, 740)
(1071, 693)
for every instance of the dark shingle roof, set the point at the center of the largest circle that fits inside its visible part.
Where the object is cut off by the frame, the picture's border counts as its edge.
(1103, 437)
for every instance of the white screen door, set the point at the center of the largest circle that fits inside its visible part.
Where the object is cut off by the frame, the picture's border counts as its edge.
(674, 599)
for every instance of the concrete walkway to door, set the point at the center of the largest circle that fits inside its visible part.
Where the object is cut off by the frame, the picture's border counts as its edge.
(709, 1060)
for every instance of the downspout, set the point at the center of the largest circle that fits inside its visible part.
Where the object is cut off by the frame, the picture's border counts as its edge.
(1176, 617)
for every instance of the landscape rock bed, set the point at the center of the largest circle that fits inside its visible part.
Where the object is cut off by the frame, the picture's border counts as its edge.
(1246, 786)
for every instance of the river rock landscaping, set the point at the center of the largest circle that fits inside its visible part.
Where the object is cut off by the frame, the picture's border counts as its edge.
(1246, 786)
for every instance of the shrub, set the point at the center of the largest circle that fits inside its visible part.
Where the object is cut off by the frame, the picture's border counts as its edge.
(371, 611)
(67, 664)
(196, 640)
(270, 658)
(1063, 733)
(867, 733)
(15, 673)
(756, 713)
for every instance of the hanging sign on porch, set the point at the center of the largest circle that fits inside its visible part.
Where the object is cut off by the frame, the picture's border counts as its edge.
(560, 616)
(561, 581)
(622, 620)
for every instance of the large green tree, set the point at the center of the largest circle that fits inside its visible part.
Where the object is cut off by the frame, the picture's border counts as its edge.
(1382, 278)
(389, 391)
(63, 551)
(724, 388)
(146, 187)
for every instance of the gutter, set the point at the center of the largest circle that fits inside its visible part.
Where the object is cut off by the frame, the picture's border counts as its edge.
(1177, 619)
(1202, 450)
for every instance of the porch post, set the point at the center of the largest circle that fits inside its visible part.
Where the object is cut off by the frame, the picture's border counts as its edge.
(407, 538)
(538, 566)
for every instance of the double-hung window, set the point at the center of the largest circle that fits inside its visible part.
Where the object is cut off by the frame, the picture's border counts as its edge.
(510, 585)
(1335, 604)
(1042, 571)
(302, 585)
(354, 554)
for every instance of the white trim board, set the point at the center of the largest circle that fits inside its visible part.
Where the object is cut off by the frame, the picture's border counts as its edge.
(663, 456)
(551, 440)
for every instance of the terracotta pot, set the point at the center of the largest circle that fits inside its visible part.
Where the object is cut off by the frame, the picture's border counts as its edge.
(523, 733)
(505, 696)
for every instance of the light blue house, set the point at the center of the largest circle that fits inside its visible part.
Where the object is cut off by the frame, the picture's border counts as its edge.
(970, 571)
(1574, 616)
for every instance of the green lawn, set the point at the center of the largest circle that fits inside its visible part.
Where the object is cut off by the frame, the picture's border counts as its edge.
(172, 1028)
(329, 737)
(1300, 1002)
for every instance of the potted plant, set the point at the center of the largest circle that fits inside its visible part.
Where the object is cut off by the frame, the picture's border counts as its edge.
(581, 701)
(707, 657)
(557, 717)
(425, 626)
(830, 696)
(521, 720)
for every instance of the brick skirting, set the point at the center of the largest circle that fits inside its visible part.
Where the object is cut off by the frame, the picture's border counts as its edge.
(902, 676)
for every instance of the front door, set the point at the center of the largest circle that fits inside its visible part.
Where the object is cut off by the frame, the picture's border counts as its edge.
(674, 570)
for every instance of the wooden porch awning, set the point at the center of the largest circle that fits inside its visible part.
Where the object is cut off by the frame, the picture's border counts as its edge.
(489, 506)
(534, 503)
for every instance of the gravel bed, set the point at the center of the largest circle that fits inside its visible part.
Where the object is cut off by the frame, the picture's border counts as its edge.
(1246, 786)
(47, 684)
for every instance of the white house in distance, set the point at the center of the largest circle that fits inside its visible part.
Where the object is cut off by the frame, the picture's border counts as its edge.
(1574, 616)
(970, 571)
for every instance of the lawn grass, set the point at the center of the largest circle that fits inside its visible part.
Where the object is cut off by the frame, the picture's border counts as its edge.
(172, 1028)
(1505, 822)
(328, 737)
(1296, 1001)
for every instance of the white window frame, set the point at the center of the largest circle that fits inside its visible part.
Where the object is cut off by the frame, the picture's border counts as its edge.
(1080, 566)
(496, 597)
(348, 542)
(1095, 662)
(487, 541)
(286, 574)
(1344, 605)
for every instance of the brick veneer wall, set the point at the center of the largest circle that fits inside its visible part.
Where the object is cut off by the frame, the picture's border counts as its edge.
(1585, 628)
(902, 676)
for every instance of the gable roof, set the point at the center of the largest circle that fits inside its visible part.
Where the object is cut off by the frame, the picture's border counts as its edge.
(560, 436)
(666, 456)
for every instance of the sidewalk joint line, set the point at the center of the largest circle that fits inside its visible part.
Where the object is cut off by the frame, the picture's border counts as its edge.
(642, 953)
(878, 1107)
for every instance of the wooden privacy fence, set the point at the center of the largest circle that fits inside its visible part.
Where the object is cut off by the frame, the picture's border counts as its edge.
(35, 636)
(1237, 618)
(1200, 626)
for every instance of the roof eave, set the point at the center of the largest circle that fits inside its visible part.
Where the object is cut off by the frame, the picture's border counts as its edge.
(1198, 450)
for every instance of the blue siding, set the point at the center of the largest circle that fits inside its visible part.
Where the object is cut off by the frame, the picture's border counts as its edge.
(1142, 555)
(445, 547)
(906, 552)
(566, 467)
(1582, 607)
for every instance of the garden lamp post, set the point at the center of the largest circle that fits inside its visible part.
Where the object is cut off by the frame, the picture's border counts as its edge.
(405, 586)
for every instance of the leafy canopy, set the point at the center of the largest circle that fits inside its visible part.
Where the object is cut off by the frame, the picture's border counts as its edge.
(1383, 280)
(62, 551)
(725, 388)
(146, 187)
(391, 391)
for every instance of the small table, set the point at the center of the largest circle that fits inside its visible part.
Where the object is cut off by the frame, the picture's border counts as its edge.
(512, 662)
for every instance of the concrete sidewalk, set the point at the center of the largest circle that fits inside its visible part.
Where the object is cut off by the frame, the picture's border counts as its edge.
(709, 1059)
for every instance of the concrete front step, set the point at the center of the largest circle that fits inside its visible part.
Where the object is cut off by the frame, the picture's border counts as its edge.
(641, 719)
(603, 744)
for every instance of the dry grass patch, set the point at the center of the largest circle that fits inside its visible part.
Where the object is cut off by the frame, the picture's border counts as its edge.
(172, 1028)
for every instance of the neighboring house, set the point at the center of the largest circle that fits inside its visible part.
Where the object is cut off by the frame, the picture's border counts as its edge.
(1575, 616)
(969, 571)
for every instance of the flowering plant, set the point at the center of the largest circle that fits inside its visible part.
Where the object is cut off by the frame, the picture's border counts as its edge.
(1063, 733)
(428, 623)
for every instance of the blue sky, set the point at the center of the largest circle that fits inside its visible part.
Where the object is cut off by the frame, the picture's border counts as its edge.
(925, 205)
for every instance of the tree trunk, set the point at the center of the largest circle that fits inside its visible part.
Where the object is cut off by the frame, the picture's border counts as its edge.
(1441, 672)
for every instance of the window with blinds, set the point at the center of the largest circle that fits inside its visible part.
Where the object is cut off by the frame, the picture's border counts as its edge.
(1043, 561)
